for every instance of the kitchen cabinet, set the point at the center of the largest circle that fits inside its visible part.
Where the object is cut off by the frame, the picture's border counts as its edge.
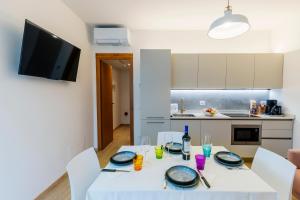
(240, 71)
(155, 85)
(152, 127)
(268, 71)
(184, 71)
(212, 71)
(227, 71)
(277, 125)
(280, 147)
(277, 136)
(194, 129)
(219, 130)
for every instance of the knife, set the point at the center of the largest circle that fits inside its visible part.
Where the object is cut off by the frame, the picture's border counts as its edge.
(204, 179)
(165, 184)
(114, 170)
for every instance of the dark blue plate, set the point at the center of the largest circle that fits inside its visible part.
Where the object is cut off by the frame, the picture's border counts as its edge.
(228, 159)
(182, 176)
(123, 158)
(174, 147)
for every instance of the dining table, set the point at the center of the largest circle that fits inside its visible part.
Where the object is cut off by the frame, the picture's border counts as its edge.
(150, 184)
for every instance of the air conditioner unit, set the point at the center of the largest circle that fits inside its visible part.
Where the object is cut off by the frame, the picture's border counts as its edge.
(106, 36)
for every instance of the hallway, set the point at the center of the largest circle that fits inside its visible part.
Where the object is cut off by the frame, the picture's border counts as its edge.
(121, 137)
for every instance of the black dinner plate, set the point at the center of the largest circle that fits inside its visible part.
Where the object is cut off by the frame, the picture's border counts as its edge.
(174, 147)
(230, 165)
(182, 176)
(123, 158)
(229, 159)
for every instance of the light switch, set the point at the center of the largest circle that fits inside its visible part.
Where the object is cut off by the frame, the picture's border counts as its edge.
(202, 103)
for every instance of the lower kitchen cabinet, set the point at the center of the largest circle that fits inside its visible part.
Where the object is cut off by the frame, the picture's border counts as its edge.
(279, 146)
(152, 127)
(194, 129)
(219, 130)
(277, 136)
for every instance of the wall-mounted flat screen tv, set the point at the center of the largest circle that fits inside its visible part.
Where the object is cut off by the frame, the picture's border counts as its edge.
(46, 55)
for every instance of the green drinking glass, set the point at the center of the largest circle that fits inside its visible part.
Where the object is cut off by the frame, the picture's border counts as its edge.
(159, 152)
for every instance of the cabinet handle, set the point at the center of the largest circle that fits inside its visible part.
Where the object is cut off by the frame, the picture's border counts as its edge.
(275, 138)
(155, 117)
(155, 122)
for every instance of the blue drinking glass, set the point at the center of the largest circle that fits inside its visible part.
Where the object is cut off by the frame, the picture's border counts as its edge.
(206, 150)
(206, 145)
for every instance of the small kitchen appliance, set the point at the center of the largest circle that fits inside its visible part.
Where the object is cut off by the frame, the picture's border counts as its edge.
(272, 108)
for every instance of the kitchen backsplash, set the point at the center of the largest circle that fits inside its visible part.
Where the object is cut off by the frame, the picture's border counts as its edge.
(219, 99)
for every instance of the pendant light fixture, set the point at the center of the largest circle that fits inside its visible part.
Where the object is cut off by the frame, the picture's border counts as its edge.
(228, 26)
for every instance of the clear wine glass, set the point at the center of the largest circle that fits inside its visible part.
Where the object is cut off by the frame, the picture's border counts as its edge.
(169, 139)
(146, 144)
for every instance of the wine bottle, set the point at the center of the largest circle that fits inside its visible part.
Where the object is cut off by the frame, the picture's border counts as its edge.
(186, 144)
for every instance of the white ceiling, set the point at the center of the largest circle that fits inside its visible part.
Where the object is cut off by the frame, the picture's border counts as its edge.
(183, 14)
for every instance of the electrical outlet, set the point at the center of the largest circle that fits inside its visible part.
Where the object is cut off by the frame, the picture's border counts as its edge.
(202, 103)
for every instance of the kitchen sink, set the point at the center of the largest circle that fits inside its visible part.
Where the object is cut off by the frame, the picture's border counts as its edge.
(183, 115)
(233, 115)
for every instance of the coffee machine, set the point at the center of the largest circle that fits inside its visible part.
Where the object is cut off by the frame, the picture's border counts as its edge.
(272, 108)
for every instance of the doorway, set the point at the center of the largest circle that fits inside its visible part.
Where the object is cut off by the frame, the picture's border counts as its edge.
(114, 78)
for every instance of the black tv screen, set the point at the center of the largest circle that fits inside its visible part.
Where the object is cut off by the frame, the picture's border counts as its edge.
(46, 55)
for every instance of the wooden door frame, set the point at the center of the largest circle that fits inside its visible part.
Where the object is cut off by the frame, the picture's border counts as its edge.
(114, 56)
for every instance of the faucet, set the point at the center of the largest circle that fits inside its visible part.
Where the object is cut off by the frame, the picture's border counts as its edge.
(181, 106)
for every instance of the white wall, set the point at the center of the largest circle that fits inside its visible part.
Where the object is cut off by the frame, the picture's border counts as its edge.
(291, 91)
(289, 96)
(43, 123)
(178, 42)
(286, 39)
(116, 81)
(121, 97)
(124, 97)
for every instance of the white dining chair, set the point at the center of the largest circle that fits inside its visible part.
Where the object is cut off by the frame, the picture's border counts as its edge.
(276, 171)
(82, 171)
(164, 137)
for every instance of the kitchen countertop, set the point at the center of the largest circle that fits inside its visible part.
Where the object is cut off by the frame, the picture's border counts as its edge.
(219, 116)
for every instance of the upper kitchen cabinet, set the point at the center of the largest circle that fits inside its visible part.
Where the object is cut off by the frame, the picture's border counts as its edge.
(212, 71)
(227, 71)
(155, 71)
(240, 71)
(184, 71)
(268, 71)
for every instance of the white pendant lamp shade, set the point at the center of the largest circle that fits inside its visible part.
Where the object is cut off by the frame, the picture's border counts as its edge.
(229, 26)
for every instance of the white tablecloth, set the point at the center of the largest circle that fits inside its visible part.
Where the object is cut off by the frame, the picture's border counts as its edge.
(147, 184)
